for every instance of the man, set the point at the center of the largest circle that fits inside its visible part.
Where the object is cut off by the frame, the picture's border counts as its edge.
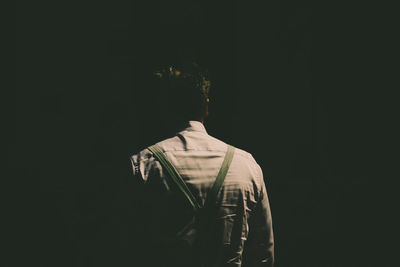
(238, 229)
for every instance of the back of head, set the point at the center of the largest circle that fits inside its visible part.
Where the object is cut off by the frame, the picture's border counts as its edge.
(182, 92)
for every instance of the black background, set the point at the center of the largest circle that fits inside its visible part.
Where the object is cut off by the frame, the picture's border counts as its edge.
(294, 84)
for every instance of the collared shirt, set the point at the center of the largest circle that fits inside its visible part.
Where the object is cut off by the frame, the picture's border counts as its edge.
(243, 218)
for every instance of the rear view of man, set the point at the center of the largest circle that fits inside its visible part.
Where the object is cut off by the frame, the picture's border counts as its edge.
(203, 202)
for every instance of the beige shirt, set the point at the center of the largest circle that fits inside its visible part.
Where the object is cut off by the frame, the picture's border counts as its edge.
(244, 216)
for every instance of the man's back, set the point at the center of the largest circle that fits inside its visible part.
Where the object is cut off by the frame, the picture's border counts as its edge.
(243, 220)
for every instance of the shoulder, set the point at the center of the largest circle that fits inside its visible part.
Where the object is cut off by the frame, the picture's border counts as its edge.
(143, 161)
(144, 154)
(243, 164)
(246, 161)
(244, 155)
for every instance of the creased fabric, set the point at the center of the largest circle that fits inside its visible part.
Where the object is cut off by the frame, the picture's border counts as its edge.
(243, 236)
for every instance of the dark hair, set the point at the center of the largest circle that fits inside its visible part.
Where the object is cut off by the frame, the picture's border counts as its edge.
(183, 90)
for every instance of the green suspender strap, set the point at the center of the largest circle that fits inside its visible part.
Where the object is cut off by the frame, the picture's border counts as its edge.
(173, 173)
(212, 194)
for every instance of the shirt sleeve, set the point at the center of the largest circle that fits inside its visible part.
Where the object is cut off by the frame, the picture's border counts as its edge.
(259, 248)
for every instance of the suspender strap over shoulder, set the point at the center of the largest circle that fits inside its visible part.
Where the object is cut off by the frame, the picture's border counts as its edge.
(173, 173)
(212, 194)
(176, 177)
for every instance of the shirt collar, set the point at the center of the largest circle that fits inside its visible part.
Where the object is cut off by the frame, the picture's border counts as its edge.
(195, 126)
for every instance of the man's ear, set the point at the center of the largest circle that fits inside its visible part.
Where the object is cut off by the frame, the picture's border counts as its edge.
(206, 107)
